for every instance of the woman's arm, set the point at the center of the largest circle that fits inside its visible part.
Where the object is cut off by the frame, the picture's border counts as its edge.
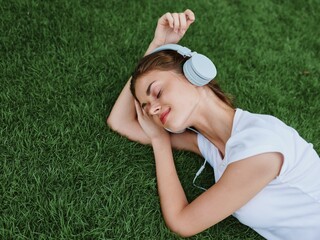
(171, 28)
(241, 181)
(123, 119)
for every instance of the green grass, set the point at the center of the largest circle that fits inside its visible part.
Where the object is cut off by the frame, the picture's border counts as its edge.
(63, 173)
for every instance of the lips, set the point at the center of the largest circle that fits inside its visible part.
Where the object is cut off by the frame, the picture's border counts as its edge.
(164, 115)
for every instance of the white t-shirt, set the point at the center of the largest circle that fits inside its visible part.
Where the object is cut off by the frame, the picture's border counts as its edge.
(289, 206)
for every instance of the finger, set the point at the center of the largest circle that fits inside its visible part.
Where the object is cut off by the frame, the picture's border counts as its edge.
(190, 16)
(138, 108)
(176, 23)
(169, 19)
(183, 22)
(166, 19)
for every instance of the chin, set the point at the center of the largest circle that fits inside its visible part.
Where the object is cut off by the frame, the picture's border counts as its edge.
(178, 121)
(175, 131)
(175, 128)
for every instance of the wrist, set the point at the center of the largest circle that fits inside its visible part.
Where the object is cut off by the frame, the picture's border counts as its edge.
(160, 140)
(153, 45)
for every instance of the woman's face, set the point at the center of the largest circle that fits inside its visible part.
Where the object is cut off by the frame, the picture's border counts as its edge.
(168, 97)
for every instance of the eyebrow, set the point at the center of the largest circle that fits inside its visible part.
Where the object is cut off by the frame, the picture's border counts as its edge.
(148, 89)
(148, 94)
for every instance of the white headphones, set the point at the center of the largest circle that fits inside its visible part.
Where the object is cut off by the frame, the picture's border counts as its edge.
(199, 69)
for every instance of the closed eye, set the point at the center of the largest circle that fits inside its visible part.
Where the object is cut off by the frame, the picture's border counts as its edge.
(159, 94)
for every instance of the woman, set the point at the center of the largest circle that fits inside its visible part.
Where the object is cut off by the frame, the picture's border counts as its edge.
(266, 174)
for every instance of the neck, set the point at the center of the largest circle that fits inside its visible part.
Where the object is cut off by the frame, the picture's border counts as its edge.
(214, 119)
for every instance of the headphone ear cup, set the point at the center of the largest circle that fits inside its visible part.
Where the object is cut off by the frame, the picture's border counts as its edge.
(199, 70)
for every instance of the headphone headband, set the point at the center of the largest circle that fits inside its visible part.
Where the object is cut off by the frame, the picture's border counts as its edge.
(184, 51)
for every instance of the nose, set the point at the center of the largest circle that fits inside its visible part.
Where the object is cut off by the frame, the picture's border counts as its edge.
(155, 108)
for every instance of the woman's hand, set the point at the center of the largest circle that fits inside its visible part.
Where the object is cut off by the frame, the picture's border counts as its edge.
(171, 28)
(152, 130)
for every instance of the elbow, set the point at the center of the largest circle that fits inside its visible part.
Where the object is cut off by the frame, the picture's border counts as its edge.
(109, 122)
(183, 234)
(128, 129)
(182, 230)
(112, 123)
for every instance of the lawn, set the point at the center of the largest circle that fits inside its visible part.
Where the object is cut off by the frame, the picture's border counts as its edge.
(63, 173)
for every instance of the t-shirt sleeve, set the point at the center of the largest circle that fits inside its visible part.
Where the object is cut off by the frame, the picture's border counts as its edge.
(251, 142)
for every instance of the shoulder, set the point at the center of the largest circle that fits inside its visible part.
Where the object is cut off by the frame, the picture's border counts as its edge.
(255, 134)
(246, 120)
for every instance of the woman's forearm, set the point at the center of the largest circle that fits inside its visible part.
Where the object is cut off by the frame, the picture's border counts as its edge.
(123, 110)
(123, 116)
(153, 45)
(123, 107)
(172, 197)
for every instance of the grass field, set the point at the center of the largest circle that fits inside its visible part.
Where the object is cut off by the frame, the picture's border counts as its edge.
(63, 173)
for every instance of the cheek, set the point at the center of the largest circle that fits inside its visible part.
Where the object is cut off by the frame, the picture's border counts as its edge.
(185, 97)
(183, 105)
